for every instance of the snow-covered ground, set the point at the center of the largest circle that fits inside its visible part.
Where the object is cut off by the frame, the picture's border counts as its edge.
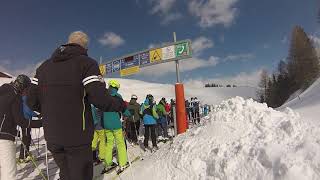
(240, 139)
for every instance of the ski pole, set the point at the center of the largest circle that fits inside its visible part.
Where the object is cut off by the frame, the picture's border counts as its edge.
(47, 161)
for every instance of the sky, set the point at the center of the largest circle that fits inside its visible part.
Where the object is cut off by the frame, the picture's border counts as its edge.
(232, 40)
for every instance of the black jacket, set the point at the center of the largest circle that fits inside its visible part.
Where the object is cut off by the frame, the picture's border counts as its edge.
(11, 113)
(63, 89)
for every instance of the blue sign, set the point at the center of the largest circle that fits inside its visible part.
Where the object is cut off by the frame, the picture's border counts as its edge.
(109, 68)
(130, 61)
(116, 65)
(144, 58)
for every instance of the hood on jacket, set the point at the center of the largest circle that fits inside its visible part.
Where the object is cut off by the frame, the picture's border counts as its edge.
(67, 51)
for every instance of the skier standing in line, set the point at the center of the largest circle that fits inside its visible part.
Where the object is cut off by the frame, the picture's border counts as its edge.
(99, 136)
(149, 113)
(24, 156)
(196, 107)
(63, 90)
(134, 119)
(163, 124)
(113, 130)
(192, 109)
(11, 115)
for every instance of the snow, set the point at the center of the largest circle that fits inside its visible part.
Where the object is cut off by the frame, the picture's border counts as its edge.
(241, 139)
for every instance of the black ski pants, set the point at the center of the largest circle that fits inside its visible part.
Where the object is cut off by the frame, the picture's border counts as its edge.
(147, 130)
(26, 140)
(75, 162)
(134, 130)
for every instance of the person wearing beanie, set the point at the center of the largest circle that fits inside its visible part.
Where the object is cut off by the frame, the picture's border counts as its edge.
(11, 116)
(63, 90)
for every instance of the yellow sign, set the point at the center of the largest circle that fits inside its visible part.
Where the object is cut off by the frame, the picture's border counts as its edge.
(129, 71)
(102, 68)
(155, 55)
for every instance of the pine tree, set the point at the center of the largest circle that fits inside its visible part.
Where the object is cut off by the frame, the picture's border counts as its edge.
(303, 64)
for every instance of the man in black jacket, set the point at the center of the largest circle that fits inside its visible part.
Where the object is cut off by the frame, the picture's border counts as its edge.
(11, 115)
(63, 89)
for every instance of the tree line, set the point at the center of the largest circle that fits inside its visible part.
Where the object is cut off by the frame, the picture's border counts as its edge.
(297, 72)
(218, 85)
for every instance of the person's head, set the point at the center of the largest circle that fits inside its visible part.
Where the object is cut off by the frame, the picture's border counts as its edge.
(163, 101)
(80, 38)
(134, 97)
(149, 99)
(114, 85)
(21, 83)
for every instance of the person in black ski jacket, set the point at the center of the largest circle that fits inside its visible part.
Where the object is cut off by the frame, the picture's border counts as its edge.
(63, 90)
(11, 115)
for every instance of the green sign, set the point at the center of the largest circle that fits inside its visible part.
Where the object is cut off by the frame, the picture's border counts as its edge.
(182, 49)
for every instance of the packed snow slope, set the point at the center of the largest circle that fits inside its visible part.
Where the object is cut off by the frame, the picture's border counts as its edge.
(205, 95)
(240, 139)
(307, 103)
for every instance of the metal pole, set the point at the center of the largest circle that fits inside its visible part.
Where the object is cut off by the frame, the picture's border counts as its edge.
(177, 61)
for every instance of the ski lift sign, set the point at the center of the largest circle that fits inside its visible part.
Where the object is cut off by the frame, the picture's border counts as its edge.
(131, 63)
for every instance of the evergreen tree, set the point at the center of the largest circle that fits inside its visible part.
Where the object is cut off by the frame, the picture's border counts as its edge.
(303, 64)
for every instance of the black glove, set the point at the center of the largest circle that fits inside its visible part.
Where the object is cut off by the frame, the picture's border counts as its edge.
(123, 105)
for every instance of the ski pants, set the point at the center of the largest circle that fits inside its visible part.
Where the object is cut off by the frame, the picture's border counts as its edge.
(99, 137)
(117, 136)
(196, 116)
(150, 129)
(26, 140)
(75, 163)
(163, 127)
(134, 130)
(8, 166)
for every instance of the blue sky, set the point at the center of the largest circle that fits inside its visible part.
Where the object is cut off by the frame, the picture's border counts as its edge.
(231, 38)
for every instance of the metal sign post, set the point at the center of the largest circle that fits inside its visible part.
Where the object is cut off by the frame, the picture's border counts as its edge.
(181, 122)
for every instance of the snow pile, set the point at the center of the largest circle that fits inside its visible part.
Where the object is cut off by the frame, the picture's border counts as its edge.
(242, 139)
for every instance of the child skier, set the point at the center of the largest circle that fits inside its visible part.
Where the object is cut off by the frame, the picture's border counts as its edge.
(113, 131)
(98, 136)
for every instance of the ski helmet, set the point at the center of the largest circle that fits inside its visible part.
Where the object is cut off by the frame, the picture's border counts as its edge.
(134, 97)
(21, 83)
(114, 83)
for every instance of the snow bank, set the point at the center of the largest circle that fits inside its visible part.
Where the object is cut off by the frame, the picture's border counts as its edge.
(242, 139)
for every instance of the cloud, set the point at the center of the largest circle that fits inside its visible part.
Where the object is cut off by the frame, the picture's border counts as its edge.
(266, 46)
(200, 44)
(284, 40)
(213, 12)
(163, 8)
(239, 57)
(315, 40)
(250, 79)
(28, 70)
(185, 65)
(111, 40)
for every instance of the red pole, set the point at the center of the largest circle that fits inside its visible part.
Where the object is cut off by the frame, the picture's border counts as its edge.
(180, 109)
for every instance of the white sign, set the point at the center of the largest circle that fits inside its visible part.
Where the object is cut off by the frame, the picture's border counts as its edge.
(168, 52)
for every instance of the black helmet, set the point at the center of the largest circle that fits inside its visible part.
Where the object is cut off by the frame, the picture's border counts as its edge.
(21, 83)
